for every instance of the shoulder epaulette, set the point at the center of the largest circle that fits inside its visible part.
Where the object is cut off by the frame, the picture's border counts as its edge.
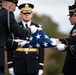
(40, 25)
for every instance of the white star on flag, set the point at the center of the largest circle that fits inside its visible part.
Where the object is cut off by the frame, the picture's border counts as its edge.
(30, 46)
(31, 38)
(46, 36)
(37, 45)
(38, 36)
(45, 44)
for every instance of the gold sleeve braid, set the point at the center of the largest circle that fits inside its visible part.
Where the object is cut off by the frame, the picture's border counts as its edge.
(72, 49)
(41, 64)
(9, 62)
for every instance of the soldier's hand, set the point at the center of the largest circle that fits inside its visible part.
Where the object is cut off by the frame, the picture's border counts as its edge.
(17, 40)
(33, 29)
(53, 41)
(57, 41)
(21, 43)
(40, 72)
(24, 43)
(11, 71)
(61, 47)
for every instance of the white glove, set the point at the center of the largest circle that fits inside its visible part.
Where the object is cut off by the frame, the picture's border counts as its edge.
(23, 43)
(33, 28)
(11, 71)
(17, 40)
(60, 47)
(53, 40)
(40, 72)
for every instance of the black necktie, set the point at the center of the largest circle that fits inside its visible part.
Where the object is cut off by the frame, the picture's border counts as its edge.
(26, 25)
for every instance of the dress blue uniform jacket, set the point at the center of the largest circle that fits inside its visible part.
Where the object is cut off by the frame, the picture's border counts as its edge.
(70, 60)
(4, 31)
(26, 63)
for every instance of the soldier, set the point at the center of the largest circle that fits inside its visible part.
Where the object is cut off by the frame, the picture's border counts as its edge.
(69, 67)
(0, 8)
(26, 63)
(0, 4)
(8, 25)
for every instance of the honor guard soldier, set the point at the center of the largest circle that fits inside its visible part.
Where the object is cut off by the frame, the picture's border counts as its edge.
(69, 67)
(9, 25)
(27, 61)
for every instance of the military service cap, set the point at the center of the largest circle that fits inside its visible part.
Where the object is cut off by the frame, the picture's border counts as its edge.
(26, 8)
(71, 10)
(14, 1)
(74, 8)
(75, 2)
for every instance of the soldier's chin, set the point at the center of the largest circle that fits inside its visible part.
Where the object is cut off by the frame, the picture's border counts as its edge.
(72, 23)
(27, 20)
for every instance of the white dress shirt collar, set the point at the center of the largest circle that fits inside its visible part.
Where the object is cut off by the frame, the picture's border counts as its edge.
(28, 23)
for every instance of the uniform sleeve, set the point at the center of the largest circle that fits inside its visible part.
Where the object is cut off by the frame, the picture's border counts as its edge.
(41, 57)
(10, 58)
(10, 47)
(69, 41)
(10, 44)
(72, 49)
(17, 31)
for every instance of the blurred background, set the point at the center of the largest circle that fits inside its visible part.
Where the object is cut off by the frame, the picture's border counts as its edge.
(57, 10)
(52, 15)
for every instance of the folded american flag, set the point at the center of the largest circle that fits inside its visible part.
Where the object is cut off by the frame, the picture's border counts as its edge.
(39, 40)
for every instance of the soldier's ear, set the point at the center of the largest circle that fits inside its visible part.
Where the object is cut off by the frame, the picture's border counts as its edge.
(10, 6)
(20, 15)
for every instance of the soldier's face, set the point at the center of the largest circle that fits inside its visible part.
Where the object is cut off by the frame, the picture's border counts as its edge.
(26, 17)
(72, 20)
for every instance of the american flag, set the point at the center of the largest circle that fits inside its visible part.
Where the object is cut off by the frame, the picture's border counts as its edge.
(39, 39)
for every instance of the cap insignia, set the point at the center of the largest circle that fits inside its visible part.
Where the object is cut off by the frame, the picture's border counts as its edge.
(26, 6)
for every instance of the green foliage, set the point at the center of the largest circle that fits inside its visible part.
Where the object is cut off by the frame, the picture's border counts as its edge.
(55, 62)
(50, 27)
(53, 69)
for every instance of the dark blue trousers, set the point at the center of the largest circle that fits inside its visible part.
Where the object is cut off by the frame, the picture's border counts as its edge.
(26, 74)
(69, 74)
(1, 73)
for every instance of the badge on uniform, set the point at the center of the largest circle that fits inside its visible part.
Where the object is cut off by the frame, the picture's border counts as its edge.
(74, 32)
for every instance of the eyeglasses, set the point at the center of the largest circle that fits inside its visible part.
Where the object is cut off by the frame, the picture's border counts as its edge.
(26, 13)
